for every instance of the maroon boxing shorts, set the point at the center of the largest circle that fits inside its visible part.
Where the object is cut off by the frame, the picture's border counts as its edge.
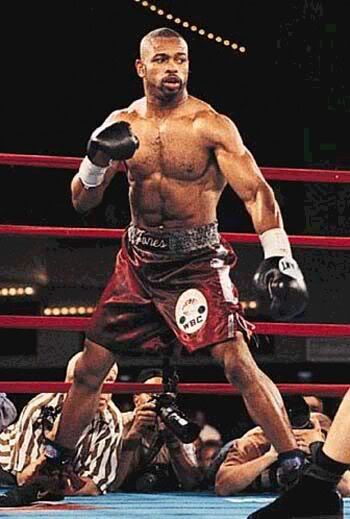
(169, 286)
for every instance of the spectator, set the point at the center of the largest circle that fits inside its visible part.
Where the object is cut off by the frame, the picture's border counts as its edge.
(8, 412)
(152, 458)
(208, 432)
(251, 461)
(315, 403)
(94, 464)
(207, 453)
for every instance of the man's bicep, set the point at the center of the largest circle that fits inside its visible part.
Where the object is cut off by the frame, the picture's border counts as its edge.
(235, 161)
(240, 171)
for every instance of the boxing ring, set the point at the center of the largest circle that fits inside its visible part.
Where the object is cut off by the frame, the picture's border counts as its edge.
(176, 504)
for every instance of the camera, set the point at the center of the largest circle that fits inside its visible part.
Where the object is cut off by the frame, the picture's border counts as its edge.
(298, 412)
(47, 417)
(185, 430)
(154, 478)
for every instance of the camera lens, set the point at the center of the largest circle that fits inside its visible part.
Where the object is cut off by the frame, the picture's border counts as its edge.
(175, 419)
(185, 430)
(146, 483)
(298, 412)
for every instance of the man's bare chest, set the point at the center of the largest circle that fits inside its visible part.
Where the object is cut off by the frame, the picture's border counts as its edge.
(174, 150)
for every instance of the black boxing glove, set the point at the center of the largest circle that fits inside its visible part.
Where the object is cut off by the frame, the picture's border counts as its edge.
(116, 141)
(279, 283)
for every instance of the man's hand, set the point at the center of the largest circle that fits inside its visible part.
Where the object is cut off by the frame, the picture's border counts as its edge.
(145, 419)
(272, 453)
(280, 286)
(109, 142)
(305, 437)
(171, 441)
(114, 141)
(73, 482)
(278, 282)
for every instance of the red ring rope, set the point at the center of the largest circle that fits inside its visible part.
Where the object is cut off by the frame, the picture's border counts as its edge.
(80, 324)
(327, 242)
(299, 175)
(40, 161)
(334, 390)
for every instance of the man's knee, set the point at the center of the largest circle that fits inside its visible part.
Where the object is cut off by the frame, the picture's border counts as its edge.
(93, 366)
(87, 377)
(239, 365)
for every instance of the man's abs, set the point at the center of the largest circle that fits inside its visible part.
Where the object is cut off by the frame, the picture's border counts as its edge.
(164, 202)
(173, 176)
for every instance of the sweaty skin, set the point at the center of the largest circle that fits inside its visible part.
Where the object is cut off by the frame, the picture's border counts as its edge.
(188, 152)
(174, 177)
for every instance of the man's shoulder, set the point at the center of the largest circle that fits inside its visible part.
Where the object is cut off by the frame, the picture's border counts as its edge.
(42, 400)
(201, 109)
(210, 120)
(128, 113)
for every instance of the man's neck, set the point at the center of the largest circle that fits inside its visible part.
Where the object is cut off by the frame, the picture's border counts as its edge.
(160, 107)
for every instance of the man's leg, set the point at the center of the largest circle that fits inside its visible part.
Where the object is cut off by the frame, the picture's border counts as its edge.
(337, 444)
(315, 494)
(81, 403)
(261, 396)
(78, 410)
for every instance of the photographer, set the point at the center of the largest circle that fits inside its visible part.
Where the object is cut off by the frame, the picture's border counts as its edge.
(152, 457)
(251, 462)
(95, 460)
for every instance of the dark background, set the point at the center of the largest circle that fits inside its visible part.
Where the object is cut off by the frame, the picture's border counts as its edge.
(65, 69)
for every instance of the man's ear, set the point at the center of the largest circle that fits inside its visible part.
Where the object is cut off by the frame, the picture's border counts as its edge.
(140, 68)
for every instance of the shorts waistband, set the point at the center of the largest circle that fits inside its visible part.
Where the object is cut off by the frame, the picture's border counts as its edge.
(176, 241)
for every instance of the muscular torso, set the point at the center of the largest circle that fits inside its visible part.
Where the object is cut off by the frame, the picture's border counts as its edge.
(174, 180)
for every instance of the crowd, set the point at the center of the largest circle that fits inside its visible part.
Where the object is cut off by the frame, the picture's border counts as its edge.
(139, 449)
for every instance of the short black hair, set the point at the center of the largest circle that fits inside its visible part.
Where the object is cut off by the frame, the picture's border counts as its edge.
(163, 32)
(148, 373)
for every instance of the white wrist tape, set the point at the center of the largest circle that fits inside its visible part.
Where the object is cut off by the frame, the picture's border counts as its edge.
(91, 175)
(275, 242)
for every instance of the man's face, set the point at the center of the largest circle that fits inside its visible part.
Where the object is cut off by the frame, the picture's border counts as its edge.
(164, 66)
(106, 397)
(142, 398)
(208, 455)
(315, 404)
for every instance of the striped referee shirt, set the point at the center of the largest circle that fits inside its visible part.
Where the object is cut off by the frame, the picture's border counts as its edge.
(97, 451)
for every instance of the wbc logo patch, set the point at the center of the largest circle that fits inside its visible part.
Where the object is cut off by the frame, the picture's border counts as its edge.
(191, 311)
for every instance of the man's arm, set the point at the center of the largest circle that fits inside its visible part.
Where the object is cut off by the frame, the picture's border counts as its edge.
(109, 146)
(26, 448)
(28, 471)
(143, 419)
(184, 462)
(89, 489)
(127, 461)
(234, 476)
(278, 282)
(82, 199)
(239, 168)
